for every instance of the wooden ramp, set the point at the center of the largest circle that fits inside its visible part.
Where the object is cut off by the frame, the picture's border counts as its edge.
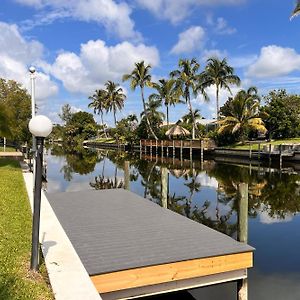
(131, 247)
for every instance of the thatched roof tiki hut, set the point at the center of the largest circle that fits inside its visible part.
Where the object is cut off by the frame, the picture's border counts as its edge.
(177, 131)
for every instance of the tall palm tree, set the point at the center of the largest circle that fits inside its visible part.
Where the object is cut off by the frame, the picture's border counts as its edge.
(114, 97)
(296, 11)
(219, 73)
(241, 113)
(167, 93)
(140, 76)
(186, 80)
(99, 104)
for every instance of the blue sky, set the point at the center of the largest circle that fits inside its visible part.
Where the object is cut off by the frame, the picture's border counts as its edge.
(77, 45)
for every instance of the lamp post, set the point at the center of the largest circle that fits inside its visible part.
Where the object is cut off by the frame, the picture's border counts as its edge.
(40, 126)
(32, 81)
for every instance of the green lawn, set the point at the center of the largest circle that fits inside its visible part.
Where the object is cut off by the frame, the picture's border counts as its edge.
(7, 149)
(16, 279)
(255, 145)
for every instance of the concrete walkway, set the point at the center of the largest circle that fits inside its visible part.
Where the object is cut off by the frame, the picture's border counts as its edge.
(68, 277)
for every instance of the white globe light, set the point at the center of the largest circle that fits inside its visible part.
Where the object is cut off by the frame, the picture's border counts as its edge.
(32, 69)
(40, 126)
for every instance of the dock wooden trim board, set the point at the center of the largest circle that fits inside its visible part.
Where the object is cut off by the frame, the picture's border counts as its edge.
(139, 277)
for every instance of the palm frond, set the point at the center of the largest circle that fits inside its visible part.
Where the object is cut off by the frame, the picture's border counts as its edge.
(296, 11)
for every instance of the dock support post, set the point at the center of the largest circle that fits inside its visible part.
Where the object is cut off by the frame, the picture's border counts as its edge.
(280, 156)
(167, 148)
(191, 150)
(164, 187)
(141, 149)
(156, 146)
(181, 146)
(270, 148)
(126, 175)
(202, 151)
(250, 150)
(242, 284)
(162, 148)
(151, 148)
(173, 148)
(259, 151)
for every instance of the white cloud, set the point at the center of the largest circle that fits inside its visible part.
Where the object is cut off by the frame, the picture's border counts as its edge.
(208, 53)
(113, 15)
(16, 54)
(223, 28)
(242, 61)
(190, 40)
(98, 63)
(275, 61)
(177, 10)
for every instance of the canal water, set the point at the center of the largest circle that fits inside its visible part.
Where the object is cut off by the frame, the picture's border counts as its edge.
(205, 193)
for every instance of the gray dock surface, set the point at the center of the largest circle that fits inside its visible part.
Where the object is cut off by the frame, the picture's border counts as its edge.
(114, 230)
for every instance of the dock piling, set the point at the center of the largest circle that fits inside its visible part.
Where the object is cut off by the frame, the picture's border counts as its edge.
(126, 175)
(280, 156)
(242, 284)
(181, 146)
(164, 187)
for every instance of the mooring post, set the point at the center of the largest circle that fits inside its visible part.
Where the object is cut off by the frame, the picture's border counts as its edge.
(280, 156)
(270, 150)
(242, 284)
(202, 151)
(164, 187)
(126, 175)
(250, 150)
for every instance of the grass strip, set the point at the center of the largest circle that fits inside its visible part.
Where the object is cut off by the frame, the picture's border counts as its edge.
(17, 281)
(254, 145)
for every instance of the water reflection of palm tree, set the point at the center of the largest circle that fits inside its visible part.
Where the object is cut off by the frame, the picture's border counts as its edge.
(103, 183)
(150, 183)
(194, 187)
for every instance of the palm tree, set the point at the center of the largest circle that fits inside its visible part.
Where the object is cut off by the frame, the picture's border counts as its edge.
(219, 73)
(114, 97)
(189, 117)
(296, 11)
(152, 112)
(140, 76)
(242, 113)
(99, 105)
(186, 81)
(167, 93)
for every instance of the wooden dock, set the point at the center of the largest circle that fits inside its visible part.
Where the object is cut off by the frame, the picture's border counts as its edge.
(131, 247)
